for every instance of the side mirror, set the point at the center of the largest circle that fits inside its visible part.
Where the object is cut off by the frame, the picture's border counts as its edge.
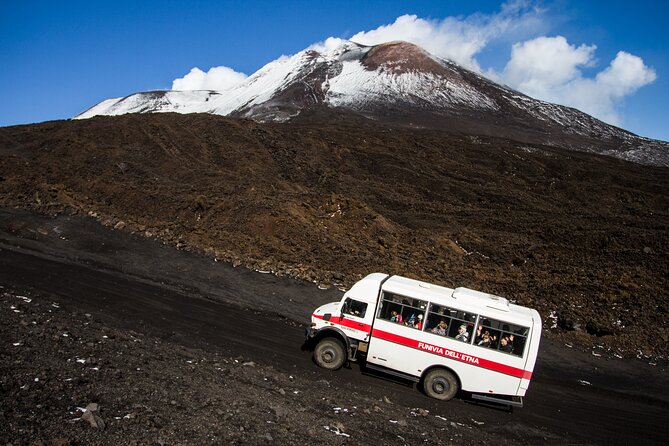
(345, 308)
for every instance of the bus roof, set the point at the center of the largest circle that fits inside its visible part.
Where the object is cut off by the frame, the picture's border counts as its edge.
(461, 298)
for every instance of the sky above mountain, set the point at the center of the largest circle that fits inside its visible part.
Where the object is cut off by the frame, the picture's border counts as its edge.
(607, 58)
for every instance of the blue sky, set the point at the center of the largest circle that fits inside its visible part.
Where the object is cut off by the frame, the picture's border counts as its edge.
(609, 58)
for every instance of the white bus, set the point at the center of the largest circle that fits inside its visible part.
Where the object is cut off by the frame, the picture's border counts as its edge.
(448, 339)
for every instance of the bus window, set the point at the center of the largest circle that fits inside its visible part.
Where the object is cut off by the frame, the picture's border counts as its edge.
(354, 307)
(438, 320)
(390, 308)
(413, 313)
(501, 336)
(403, 310)
(462, 325)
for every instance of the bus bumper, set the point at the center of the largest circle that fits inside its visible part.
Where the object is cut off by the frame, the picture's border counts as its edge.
(310, 332)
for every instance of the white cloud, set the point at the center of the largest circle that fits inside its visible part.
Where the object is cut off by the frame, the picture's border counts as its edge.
(625, 74)
(327, 45)
(459, 39)
(540, 65)
(217, 78)
(549, 68)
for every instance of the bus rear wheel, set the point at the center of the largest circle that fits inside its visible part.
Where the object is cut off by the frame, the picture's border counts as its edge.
(329, 354)
(441, 384)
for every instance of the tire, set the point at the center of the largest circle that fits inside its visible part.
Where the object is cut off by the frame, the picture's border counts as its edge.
(441, 384)
(330, 354)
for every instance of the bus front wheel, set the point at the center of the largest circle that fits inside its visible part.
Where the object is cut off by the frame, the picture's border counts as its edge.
(329, 354)
(441, 384)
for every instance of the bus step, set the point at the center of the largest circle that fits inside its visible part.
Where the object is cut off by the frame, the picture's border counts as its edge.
(514, 401)
(391, 372)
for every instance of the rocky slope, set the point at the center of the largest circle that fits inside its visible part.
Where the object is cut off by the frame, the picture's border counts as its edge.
(582, 238)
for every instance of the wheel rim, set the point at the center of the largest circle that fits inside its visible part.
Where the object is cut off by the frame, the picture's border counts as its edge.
(328, 356)
(440, 385)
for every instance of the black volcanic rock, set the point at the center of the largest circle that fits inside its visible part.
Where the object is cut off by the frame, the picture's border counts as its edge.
(329, 198)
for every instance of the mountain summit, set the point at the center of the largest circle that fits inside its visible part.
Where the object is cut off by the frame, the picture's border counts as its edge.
(399, 83)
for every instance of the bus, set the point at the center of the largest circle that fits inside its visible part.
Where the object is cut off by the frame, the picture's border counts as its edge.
(447, 339)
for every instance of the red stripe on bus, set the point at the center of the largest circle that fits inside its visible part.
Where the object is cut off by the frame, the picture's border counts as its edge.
(452, 354)
(346, 323)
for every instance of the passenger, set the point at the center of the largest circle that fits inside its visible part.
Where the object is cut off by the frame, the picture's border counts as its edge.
(505, 346)
(395, 317)
(519, 345)
(418, 322)
(440, 329)
(485, 340)
(479, 334)
(513, 344)
(462, 335)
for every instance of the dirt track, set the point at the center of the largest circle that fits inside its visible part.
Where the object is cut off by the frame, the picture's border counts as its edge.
(138, 288)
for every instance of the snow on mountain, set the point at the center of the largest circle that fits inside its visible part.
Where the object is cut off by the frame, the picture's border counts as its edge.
(154, 102)
(351, 75)
(357, 86)
(399, 82)
(254, 90)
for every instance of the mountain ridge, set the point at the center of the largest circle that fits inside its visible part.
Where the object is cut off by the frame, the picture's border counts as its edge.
(401, 83)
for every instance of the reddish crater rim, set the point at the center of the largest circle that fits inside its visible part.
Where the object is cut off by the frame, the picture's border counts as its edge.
(401, 57)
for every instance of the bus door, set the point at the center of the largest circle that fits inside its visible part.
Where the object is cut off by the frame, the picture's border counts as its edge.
(356, 318)
(398, 324)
